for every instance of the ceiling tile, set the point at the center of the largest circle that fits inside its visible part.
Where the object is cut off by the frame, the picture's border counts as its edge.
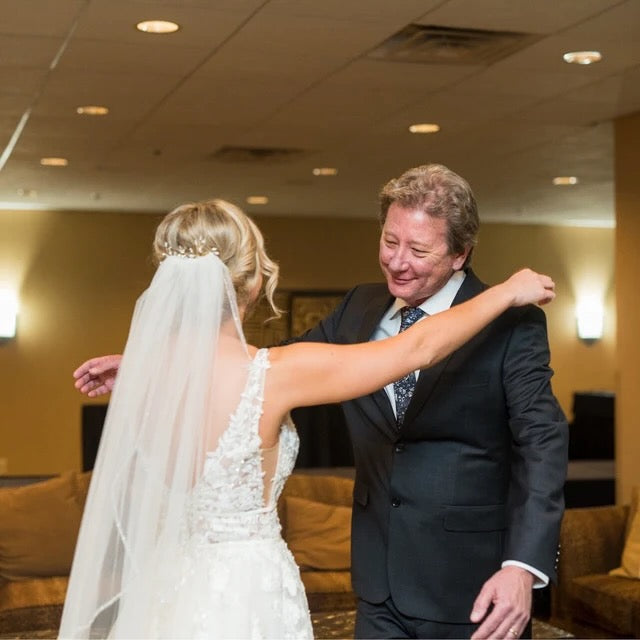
(201, 26)
(131, 59)
(28, 51)
(354, 11)
(514, 15)
(40, 17)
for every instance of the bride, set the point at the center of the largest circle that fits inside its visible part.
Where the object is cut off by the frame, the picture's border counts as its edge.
(180, 536)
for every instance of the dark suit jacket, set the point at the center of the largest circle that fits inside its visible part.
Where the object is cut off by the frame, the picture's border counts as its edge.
(475, 475)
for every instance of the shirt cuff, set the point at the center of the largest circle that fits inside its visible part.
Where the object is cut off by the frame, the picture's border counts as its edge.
(541, 579)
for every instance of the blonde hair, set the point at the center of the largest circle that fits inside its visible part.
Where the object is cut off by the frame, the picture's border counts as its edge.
(220, 225)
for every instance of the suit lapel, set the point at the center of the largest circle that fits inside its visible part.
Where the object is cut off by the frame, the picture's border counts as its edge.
(428, 378)
(371, 316)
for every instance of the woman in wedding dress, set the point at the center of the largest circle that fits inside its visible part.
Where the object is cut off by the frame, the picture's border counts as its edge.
(180, 535)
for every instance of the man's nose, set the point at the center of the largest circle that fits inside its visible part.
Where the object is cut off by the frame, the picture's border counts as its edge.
(398, 260)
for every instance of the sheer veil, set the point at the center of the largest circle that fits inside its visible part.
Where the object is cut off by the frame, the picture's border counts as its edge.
(185, 352)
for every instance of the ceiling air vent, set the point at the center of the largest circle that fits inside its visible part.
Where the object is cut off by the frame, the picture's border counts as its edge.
(256, 154)
(448, 45)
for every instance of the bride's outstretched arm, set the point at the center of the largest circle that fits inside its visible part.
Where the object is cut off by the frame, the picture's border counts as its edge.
(309, 373)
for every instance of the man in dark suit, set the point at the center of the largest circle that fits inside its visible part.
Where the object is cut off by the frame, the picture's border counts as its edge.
(458, 503)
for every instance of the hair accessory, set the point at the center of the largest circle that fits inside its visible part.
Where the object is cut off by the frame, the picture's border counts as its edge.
(203, 247)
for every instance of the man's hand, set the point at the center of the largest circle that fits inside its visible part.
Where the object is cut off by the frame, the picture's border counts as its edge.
(509, 591)
(97, 376)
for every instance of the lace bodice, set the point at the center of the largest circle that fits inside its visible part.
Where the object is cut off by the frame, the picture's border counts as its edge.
(233, 500)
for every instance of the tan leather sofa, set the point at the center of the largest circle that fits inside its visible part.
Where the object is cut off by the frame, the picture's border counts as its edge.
(587, 600)
(39, 525)
(315, 512)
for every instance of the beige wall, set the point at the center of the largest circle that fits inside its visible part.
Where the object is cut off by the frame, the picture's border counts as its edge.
(78, 276)
(581, 263)
(627, 159)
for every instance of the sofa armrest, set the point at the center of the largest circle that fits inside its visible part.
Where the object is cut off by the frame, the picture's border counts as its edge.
(333, 490)
(591, 541)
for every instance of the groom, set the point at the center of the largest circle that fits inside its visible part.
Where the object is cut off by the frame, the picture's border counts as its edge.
(459, 480)
(459, 474)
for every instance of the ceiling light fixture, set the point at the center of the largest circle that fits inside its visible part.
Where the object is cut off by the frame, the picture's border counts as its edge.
(582, 57)
(424, 128)
(157, 26)
(257, 200)
(325, 171)
(54, 162)
(565, 180)
(92, 110)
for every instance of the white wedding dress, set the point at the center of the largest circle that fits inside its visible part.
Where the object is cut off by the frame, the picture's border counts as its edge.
(236, 578)
(180, 535)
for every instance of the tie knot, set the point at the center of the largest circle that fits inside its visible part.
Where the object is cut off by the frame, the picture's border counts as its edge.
(409, 315)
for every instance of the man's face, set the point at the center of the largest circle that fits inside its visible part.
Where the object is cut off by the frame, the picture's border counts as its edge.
(414, 256)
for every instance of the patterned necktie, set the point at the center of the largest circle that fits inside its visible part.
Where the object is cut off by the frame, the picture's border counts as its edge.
(403, 388)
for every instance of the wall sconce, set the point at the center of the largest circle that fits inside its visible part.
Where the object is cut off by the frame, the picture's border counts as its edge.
(8, 314)
(590, 318)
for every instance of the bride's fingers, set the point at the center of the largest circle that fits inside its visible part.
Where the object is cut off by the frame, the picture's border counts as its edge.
(548, 297)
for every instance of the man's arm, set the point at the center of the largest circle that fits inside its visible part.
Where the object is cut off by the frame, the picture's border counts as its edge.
(538, 470)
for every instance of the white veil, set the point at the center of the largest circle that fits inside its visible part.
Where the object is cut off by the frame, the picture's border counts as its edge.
(161, 421)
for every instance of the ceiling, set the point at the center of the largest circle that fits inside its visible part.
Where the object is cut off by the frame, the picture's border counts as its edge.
(303, 76)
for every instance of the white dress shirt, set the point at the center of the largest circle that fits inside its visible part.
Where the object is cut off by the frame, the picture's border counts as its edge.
(390, 322)
(390, 325)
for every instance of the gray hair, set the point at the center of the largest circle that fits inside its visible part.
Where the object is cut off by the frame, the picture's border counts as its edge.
(440, 193)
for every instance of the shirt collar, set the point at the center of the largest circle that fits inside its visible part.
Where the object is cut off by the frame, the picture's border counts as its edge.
(439, 301)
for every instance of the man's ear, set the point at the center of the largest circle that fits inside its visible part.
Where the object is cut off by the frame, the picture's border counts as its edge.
(460, 259)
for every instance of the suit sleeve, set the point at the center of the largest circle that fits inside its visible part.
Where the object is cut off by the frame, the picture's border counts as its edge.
(539, 447)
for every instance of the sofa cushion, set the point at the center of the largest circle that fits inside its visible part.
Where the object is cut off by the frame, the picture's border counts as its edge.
(325, 581)
(609, 602)
(318, 534)
(39, 527)
(31, 605)
(630, 562)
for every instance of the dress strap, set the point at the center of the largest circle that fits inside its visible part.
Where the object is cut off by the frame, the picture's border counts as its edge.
(261, 359)
(253, 394)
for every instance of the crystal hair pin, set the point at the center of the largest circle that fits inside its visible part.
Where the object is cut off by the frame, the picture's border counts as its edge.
(202, 248)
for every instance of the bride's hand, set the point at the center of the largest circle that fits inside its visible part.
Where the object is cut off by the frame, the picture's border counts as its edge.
(97, 376)
(528, 287)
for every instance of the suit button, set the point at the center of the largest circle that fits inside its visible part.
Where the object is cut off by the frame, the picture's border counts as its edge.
(400, 447)
(395, 502)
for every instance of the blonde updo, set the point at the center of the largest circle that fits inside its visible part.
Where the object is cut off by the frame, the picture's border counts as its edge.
(239, 243)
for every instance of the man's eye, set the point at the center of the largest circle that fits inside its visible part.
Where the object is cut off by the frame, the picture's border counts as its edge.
(391, 243)
(419, 252)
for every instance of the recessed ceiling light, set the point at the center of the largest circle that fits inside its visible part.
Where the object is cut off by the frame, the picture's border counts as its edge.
(157, 26)
(54, 162)
(325, 171)
(565, 180)
(424, 128)
(27, 193)
(582, 57)
(92, 110)
(257, 200)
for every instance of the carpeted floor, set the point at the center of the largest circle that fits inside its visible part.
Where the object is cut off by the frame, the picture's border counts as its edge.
(326, 625)
(339, 624)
